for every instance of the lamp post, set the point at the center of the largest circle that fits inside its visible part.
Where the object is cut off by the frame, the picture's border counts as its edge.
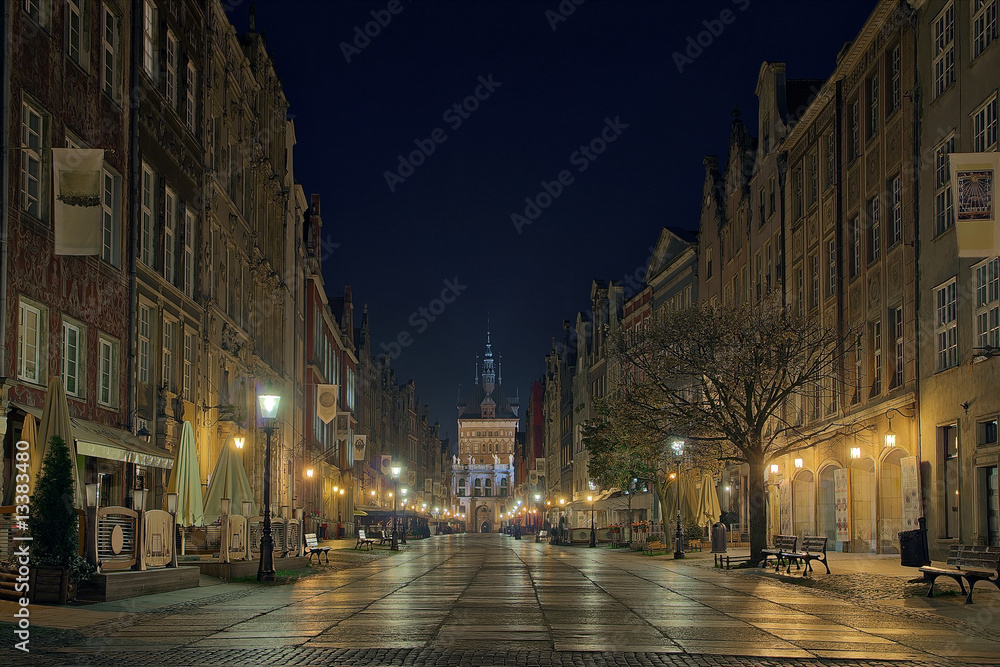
(593, 534)
(402, 522)
(269, 413)
(678, 447)
(538, 501)
(394, 546)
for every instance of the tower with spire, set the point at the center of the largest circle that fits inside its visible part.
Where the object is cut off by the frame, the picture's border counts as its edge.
(483, 472)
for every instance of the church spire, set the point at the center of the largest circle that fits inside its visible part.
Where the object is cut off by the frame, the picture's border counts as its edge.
(489, 373)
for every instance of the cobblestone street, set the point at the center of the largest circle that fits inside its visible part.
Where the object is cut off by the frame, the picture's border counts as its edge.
(489, 599)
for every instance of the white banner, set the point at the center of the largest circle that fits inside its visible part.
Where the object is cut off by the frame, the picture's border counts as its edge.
(411, 478)
(386, 467)
(910, 486)
(975, 202)
(359, 447)
(78, 215)
(842, 501)
(326, 401)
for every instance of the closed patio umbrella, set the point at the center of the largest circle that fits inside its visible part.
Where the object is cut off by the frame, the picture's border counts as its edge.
(29, 433)
(709, 508)
(229, 480)
(55, 421)
(185, 480)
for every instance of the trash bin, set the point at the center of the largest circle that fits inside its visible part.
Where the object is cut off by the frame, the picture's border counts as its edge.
(913, 551)
(322, 531)
(340, 531)
(719, 538)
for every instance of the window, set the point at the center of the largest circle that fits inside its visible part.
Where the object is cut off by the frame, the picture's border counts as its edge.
(948, 443)
(813, 281)
(168, 354)
(896, 210)
(144, 344)
(873, 117)
(33, 8)
(71, 342)
(855, 131)
(876, 357)
(111, 225)
(763, 214)
(170, 80)
(894, 81)
(984, 25)
(831, 160)
(146, 214)
(708, 262)
(189, 227)
(944, 49)
(874, 231)
(944, 215)
(984, 126)
(74, 32)
(488, 487)
(987, 432)
(106, 371)
(896, 321)
(831, 254)
(813, 178)
(111, 53)
(798, 193)
(190, 110)
(768, 265)
(461, 488)
(946, 301)
(770, 196)
(169, 234)
(477, 487)
(149, 20)
(800, 291)
(987, 276)
(854, 232)
(29, 339)
(760, 274)
(858, 368)
(188, 386)
(32, 140)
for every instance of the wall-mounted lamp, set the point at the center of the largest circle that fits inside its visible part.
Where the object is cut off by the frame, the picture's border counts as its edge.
(91, 494)
(239, 440)
(855, 452)
(774, 468)
(172, 503)
(798, 463)
(309, 473)
(890, 435)
(225, 502)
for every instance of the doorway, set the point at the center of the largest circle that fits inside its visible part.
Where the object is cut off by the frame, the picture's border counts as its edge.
(891, 502)
(991, 511)
(827, 505)
(803, 515)
(486, 527)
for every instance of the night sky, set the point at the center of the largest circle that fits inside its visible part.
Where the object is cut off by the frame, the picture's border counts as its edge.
(658, 79)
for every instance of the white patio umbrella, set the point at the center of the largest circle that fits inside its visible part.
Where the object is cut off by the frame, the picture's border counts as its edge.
(709, 507)
(185, 480)
(229, 480)
(55, 421)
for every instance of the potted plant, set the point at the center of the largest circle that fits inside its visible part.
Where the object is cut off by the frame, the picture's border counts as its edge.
(55, 545)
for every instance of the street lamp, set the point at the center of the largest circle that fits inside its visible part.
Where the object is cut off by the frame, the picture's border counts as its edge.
(593, 534)
(394, 545)
(678, 446)
(402, 527)
(538, 500)
(269, 413)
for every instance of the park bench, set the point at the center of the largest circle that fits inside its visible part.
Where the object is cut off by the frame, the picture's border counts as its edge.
(782, 544)
(363, 541)
(652, 545)
(813, 548)
(385, 537)
(971, 564)
(725, 561)
(313, 547)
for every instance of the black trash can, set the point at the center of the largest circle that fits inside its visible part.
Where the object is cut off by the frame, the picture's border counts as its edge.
(719, 538)
(322, 531)
(913, 550)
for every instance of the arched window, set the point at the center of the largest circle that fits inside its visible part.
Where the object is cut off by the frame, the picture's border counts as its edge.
(461, 487)
(503, 486)
(489, 487)
(477, 487)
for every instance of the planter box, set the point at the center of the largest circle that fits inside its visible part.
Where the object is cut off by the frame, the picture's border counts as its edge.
(51, 585)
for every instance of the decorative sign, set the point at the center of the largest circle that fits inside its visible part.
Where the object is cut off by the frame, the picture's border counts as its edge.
(975, 201)
(842, 501)
(326, 401)
(910, 486)
(359, 447)
(428, 485)
(411, 478)
(386, 467)
(78, 216)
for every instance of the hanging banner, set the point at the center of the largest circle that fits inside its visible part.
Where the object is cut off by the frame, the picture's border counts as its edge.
(438, 489)
(975, 202)
(77, 214)
(326, 401)
(359, 447)
(428, 485)
(533, 478)
(910, 486)
(411, 478)
(842, 501)
(386, 466)
(785, 507)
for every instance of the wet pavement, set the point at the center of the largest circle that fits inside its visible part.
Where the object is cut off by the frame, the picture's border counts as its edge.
(489, 599)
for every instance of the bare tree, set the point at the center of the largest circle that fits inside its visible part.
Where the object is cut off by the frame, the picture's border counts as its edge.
(737, 382)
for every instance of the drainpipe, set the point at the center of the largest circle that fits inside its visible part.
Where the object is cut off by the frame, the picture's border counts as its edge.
(6, 158)
(135, 175)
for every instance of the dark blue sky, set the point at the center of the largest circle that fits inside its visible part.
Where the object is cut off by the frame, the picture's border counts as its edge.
(548, 92)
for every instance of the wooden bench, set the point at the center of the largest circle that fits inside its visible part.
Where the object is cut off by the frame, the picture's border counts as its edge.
(363, 541)
(385, 537)
(651, 546)
(813, 548)
(313, 547)
(972, 564)
(782, 544)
